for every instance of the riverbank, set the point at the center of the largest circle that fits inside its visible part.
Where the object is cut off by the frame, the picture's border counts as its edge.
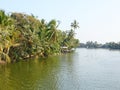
(108, 45)
(23, 36)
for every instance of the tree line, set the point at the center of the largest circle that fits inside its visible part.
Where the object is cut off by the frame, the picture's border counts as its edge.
(24, 36)
(91, 44)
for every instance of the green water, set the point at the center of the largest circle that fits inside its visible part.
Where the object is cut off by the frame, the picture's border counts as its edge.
(85, 69)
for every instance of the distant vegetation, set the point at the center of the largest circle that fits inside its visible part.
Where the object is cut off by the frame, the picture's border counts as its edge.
(90, 44)
(24, 36)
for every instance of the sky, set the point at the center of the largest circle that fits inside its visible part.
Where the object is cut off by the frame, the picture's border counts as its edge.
(99, 20)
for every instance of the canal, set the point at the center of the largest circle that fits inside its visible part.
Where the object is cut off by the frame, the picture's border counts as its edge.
(84, 69)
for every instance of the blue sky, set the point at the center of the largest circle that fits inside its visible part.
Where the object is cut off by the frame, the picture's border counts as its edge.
(99, 20)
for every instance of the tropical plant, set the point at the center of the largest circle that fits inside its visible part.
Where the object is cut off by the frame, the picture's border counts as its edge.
(24, 36)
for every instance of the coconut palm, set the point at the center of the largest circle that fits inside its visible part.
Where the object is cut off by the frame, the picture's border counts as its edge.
(74, 25)
(52, 31)
(6, 29)
(23, 36)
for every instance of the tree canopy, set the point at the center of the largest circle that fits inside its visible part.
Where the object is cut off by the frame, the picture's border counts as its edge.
(24, 36)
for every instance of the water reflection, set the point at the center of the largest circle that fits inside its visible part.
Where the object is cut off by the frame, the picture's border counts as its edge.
(93, 69)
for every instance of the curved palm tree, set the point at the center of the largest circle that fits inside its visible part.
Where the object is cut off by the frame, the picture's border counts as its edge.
(22, 36)
(52, 31)
(9, 36)
(5, 30)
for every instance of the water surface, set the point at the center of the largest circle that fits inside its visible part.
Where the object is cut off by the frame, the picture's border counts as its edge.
(85, 69)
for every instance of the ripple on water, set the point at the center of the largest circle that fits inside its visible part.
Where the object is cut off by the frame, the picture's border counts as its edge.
(93, 69)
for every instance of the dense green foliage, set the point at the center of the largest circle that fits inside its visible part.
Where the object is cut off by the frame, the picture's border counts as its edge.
(24, 36)
(90, 44)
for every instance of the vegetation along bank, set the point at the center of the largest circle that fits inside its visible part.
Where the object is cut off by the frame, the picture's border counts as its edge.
(23, 36)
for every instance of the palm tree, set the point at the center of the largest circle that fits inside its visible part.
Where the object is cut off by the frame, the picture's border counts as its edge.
(6, 30)
(52, 36)
(52, 31)
(23, 35)
(74, 25)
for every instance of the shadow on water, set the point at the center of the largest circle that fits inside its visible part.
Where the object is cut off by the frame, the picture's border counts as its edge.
(51, 73)
(31, 75)
(93, 69)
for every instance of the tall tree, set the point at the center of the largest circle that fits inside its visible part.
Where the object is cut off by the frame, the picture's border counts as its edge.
(74, 25)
